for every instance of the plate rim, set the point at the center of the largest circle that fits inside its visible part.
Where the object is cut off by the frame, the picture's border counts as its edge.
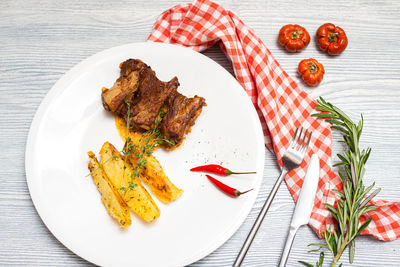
(59, 86)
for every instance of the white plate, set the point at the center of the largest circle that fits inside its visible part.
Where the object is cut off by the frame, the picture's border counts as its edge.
(71, 121)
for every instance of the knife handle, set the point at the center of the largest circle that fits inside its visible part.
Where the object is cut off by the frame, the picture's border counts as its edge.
(288, 245)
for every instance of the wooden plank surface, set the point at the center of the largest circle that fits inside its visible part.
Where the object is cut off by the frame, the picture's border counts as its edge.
(42, 39)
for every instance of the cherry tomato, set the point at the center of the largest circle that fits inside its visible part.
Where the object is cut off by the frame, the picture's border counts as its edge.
(332, 39)
(311, 71)
(294, 37)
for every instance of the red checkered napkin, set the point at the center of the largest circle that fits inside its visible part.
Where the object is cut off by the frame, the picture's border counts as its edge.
(280, 103)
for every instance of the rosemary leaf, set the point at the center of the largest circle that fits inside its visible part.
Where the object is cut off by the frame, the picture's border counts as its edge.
(306, 263)
(365, 202)
(321, 259)
(318, 263)
(352, 251)
(363, 226)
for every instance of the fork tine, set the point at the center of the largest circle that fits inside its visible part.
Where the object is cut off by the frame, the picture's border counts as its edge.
(304, 139)
(294, 135)
(298, 139)
(308, 142)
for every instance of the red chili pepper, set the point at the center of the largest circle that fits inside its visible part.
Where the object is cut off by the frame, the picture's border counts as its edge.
(213, 168)
(226, 189)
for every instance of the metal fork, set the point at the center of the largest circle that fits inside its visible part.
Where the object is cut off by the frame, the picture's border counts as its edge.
(292, 159)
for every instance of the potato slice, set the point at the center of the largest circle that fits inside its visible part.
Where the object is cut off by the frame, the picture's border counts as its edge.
(111, 199)
(153, 175)
(129, 186)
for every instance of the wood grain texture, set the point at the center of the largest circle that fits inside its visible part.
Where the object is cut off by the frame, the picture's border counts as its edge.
(41, 40)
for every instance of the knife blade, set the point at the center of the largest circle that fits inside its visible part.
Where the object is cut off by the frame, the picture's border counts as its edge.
(304, 206)
(305, 202)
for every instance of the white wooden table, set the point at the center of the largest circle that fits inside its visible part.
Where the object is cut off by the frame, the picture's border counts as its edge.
(41, 40)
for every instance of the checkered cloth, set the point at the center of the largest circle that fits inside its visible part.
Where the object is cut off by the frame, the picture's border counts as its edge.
(280, 103)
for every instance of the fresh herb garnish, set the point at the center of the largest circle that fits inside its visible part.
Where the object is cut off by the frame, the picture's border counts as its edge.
(144, 147)
(353, 202)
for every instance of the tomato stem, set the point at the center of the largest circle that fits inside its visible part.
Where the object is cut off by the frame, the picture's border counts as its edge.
(296, 35)
(313, 67)
(332, 37)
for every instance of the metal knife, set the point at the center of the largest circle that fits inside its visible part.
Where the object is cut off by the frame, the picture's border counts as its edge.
(305, 203)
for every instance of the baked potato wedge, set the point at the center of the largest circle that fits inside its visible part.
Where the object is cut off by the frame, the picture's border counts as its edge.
(153, 175)
(111, 199)
(130, 187)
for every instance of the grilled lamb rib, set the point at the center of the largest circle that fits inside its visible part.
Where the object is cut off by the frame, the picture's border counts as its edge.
(149, 99)
(138, 89)
(144, 95)
(181, 116)
(124, 88)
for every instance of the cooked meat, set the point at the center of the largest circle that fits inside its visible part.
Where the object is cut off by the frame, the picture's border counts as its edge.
(139, 90)
(124, 88)
(138, 96)
(149, 99)
(180, 117)
(113, 98)
(130, 65)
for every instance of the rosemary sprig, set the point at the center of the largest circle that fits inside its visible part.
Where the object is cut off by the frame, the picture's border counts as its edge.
(353, 202)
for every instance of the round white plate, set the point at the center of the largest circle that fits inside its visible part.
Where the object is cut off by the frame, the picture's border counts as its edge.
(71, 121)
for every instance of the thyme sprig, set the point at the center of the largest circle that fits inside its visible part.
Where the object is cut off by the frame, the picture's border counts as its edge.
(353, 201)
(144, 147)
